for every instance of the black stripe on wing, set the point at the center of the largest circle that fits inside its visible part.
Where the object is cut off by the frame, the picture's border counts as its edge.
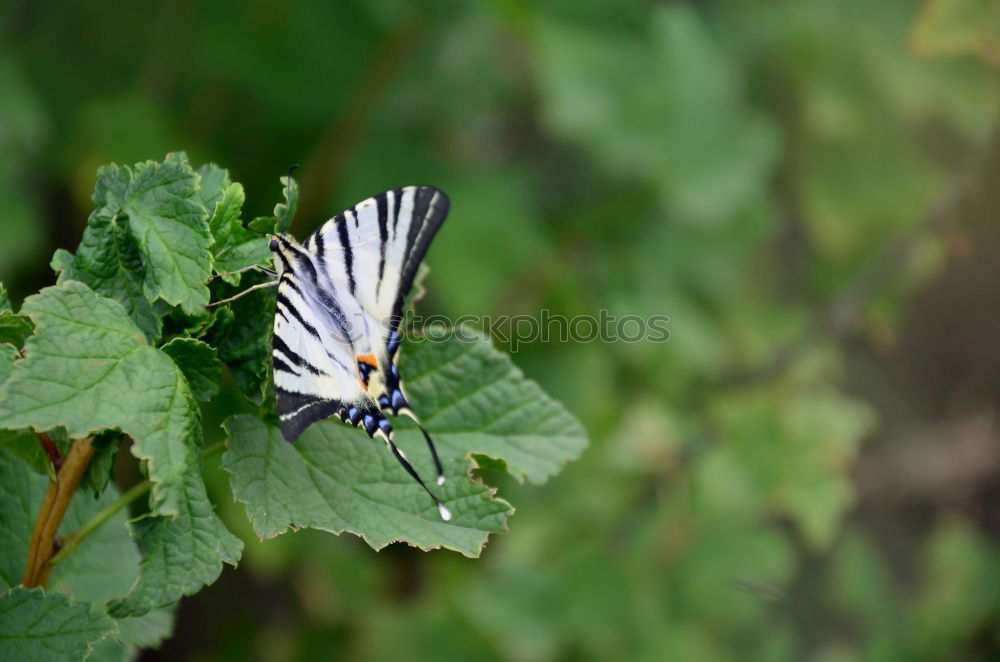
(345, 246)
(430, 207)
(297, 411)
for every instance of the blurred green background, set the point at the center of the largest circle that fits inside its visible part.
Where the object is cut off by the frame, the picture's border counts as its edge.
(807, 469)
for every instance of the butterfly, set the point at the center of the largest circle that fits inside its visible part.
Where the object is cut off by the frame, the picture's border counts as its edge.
(339, 305)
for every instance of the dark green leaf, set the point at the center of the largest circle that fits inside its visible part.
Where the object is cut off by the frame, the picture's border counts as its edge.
(14, 329)
(196, 536)
(284, 212)
(199, 363)
(244, 343)
(98, 473)
(37, 626)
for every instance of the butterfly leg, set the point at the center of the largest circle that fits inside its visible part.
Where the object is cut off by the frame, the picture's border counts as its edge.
(258, 267)
(272, 283)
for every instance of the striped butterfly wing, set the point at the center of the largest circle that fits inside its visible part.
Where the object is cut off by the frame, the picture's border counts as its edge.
(314, 364)
(336, 325)
(372, 251)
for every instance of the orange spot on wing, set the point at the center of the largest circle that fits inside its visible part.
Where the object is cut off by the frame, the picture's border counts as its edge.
(368, 359)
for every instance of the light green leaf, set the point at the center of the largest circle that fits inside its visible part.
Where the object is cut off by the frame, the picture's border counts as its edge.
(473, 401)
(35, 625)
(196, 535)
(7, 355)
(212, 182)
(169, 224)
(234, 248)
(89, 368)
(199, 363)
(4, 299)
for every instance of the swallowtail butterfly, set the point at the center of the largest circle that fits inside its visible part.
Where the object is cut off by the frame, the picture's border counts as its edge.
(339, 305)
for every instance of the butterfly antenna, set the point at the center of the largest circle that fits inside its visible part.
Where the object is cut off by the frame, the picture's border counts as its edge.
(430, 444)
(445, 513)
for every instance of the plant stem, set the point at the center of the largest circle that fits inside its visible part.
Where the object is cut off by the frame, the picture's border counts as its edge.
(50, 515)
(74, 539)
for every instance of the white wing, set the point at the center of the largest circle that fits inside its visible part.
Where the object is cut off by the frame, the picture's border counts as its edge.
(315, 369)
(373, 251)
(339, 305)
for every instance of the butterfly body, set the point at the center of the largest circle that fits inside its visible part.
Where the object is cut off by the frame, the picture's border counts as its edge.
(339, 307)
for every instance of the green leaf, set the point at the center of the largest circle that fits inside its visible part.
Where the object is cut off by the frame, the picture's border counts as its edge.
(4, 299)
(110, 262)
(284, 212)
(35, 625)
(88, 369)
(14, 328)
(180, 554)
(146, 631)
(243, 338)
(212, 183)
(104, 566)
(265, 224)
(474, 402)
(199, 363)
(234, 247)
(7, 355)
(169, 224)
(23, 443)
(98, 473)
(336, 480)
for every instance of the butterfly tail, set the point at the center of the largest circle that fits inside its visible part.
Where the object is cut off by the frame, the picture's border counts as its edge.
(430, 444)
(401, 457)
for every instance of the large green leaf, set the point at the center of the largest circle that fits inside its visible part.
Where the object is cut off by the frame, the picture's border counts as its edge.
(180, 554)
(89, 368)
(475, 403)
(37, 626)
(169, 224)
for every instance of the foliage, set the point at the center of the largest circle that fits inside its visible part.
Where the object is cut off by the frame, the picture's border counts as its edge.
(114, 352)
(803, 187)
